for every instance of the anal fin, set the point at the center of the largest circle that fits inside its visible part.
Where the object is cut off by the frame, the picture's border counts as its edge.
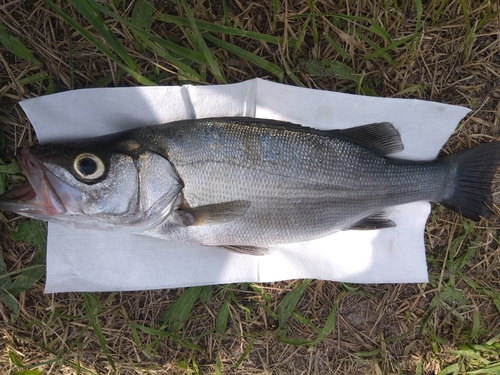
(378, 220)
(249, 250)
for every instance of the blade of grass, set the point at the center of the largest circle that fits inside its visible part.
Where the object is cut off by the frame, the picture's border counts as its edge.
(369, 353)
(92, 306)
(494, 295)
(336, 47)
(468, 43)
(14, 359)
(490, 369)
(490, 16)
(142, 18)
(218, 367)
(379, 30)
(153, 346)
(419, 369)
(206, 294)
(305, 321)
(88, 10)
(418, 7)
(220, 29)
(313, 22)
(436, 15)
(227, 20)
(244, 354)
(176, 315)
(322, 333)
(288, 305)
(203, 46)
(5, 296)
(331, 320)
(222, 318)
(248, 56)
(16, 47)
(302, 33)
(382, 51)
(161, 333)
(33, 78)
(377, 49)
(374, 27)
(149, 330)
(293, 341)
(150, 39)
(33, 232)
(60, 358)
(101, 47)
(289, 72)
(192, 39)
(105, 81)
(181, 67)
(268, 311)
(232, 297)
(135, 337)
(276, 7)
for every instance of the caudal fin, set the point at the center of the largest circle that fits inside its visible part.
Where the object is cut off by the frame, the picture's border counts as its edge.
(471, 187)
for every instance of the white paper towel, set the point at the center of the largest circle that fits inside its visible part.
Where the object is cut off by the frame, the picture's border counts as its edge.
(86, 260)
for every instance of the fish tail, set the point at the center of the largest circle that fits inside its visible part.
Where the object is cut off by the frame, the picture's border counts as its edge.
(472, 172)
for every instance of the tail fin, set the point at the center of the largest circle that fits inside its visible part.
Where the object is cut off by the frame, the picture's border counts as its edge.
(471, 190)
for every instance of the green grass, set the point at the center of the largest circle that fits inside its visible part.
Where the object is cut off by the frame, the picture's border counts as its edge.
(193, 61)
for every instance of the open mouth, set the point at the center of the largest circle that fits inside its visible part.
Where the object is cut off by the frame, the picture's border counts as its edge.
(43, 193)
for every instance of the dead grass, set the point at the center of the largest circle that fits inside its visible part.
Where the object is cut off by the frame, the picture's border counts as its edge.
(379, 329)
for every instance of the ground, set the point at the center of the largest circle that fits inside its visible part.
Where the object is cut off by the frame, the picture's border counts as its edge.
(445, 51)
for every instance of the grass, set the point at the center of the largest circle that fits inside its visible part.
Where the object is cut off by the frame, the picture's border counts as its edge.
(436, 50)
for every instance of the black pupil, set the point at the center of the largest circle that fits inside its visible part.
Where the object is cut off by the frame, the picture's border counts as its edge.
(87, 166)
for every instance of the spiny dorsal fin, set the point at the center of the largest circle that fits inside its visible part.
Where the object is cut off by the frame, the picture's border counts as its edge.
(378, 220)
(210, 214)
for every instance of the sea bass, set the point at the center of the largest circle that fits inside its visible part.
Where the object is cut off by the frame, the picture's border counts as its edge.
(244, 184)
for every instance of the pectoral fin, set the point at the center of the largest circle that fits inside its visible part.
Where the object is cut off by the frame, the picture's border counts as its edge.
(214, 213)
(378, 220)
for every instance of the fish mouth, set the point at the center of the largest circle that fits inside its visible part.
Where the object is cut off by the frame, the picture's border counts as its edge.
(43, 195)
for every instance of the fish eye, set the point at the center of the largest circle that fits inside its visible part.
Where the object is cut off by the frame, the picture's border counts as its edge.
(89, 166)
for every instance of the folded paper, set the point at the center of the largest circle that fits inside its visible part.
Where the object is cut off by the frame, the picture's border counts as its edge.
(87, 260)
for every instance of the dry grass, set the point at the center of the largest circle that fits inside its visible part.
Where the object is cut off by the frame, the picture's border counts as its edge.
(452, 57)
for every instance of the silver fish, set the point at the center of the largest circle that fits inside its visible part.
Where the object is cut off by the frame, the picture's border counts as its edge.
(242, 183)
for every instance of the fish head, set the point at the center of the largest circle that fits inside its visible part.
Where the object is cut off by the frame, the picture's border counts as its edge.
(104, 185)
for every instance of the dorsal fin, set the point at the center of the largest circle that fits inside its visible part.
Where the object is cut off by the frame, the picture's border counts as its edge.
(381, 137)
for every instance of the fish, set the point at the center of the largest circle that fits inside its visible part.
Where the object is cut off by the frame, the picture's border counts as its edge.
(244, 184)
